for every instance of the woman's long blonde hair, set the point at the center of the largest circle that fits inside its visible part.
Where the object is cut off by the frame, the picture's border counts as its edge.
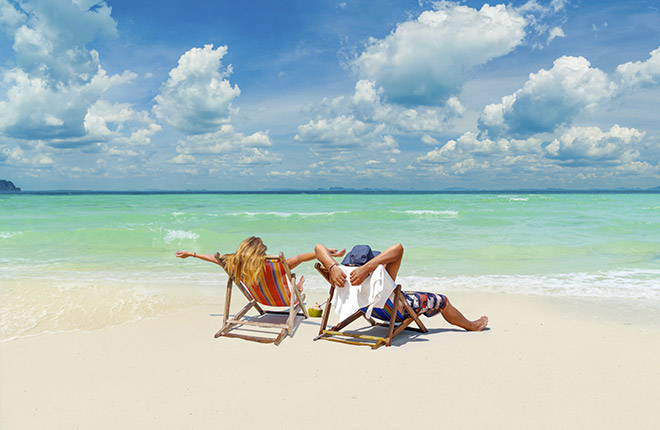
(248, 260)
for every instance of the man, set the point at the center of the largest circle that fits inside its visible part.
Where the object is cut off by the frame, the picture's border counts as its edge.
(391, 258)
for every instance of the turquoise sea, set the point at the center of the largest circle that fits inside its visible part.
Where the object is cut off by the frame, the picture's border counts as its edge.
(89, 261)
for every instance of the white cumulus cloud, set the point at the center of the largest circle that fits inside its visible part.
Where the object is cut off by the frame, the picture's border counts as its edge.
(346, 144)
(425, 61)
(548, 99)
(341, 132)
(226, 147)
(109, 122)
(37, 109)
(56, 79)
(364, 120)
(555, 33)
(51, 43)
(578, 152)
(470, 146)
(10, 17)
(197, 96)
(588, 145)
(641, 73)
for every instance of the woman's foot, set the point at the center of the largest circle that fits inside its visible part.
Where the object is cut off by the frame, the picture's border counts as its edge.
(300, 284)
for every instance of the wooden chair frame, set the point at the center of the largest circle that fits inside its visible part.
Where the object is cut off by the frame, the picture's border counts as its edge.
(336, 335)
(296, 303)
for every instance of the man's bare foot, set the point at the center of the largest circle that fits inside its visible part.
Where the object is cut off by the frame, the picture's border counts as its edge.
(300, 284)
(478, 325)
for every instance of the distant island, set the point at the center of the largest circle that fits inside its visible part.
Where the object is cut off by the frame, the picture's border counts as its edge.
(8, 187)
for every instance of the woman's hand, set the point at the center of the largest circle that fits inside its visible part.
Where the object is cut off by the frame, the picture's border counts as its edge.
(183, 254)
(336, 253)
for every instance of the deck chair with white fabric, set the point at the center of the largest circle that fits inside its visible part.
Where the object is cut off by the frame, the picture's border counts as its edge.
(274, 292)
(396, 314)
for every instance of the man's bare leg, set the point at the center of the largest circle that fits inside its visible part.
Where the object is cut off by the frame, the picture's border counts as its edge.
(455, 317)
(392, 258)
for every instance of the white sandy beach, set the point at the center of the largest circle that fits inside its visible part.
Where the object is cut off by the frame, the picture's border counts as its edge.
(541, 365)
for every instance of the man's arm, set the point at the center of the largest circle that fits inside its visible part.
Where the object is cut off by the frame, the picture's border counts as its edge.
(391, 258)
(325, 256)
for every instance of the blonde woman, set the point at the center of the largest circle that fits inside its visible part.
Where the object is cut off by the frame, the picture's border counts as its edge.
(248, 260)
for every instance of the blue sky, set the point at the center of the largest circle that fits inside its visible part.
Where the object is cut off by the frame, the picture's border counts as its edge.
(250, 95)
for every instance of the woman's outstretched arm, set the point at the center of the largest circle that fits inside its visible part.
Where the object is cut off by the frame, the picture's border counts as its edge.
(205, 257)
(294, 261)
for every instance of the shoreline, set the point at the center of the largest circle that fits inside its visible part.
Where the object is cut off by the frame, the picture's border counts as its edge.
(542, 364)
(89, 317)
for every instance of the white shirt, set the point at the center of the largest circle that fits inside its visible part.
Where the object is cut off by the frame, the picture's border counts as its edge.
(373, 292)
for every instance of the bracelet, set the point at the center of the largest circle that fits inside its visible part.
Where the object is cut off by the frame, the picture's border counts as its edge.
(194, 254)
(332, 267)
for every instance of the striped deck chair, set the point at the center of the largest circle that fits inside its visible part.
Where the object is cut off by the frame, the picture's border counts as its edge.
(396, 306)
(275, 288)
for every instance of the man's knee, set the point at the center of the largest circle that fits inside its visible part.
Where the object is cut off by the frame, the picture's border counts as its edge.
(446, 305)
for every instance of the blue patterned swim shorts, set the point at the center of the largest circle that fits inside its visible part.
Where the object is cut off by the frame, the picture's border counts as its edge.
(428, 303)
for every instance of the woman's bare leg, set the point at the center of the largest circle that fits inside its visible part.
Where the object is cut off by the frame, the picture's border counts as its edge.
(455, 317)
(300, 284)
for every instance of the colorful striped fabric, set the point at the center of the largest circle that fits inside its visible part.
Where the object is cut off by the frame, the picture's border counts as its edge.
(385, 313)
(429, 303)
(272, 287)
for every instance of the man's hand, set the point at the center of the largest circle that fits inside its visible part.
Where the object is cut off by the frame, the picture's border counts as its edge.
(359, 275)
(337, 276)
(336, 253)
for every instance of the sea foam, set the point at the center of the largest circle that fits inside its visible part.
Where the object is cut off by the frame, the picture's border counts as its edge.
(613, 284)
(8, 234)
(174, 235)
(287, 214)
(429, 212)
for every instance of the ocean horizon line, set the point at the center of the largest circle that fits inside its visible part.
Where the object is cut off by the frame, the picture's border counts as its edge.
(341, 190)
